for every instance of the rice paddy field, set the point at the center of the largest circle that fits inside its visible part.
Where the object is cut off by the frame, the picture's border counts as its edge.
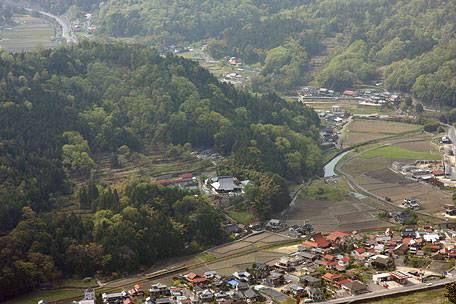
(371, 170)
(359, 131)
(29, 33)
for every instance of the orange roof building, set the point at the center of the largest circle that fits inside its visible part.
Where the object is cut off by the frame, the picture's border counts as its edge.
(316, 240)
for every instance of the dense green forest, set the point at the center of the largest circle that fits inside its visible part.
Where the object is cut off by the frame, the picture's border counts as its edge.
(407, 43)
(58, 107)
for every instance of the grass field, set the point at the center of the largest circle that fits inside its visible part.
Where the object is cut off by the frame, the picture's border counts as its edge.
(427, 297)
(321, 190)
(242, 217)
(49, 295)
(401, 153)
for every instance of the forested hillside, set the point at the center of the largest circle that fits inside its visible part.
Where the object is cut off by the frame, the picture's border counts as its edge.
(408, 43)
(58, 107)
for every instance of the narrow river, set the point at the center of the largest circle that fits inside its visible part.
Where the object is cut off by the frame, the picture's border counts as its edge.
(329, 168)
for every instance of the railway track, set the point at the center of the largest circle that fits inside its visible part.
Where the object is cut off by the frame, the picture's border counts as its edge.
(189, 267)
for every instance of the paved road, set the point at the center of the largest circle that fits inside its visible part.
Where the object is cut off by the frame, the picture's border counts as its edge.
(390, 292)
(67, 33)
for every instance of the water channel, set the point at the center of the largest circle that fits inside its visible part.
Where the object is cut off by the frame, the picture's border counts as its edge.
(329, 168)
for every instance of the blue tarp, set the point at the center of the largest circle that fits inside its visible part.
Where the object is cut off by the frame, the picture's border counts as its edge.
(233, 283)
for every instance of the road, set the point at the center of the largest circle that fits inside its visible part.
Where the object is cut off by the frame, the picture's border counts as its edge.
(392, 292)
(356, 185)
(67, 33)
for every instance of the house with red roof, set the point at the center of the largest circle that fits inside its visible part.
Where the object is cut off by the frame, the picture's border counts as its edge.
(333, 239)
(343, 264)
(316, 240)
(136, 291)
(358, 251)
(331, 277)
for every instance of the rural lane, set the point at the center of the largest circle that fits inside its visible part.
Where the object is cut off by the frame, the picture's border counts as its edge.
(391, 292)
(355, 184)
(64, 23)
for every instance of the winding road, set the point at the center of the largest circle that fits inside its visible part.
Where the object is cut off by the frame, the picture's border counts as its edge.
(67, 32)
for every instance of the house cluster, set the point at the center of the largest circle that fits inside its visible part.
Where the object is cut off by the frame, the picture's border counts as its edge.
(226, 185)
(238, 288)
(427, 171)
(367, 96)
(174, 49)
(183, 181)
(328, 137)
(339, 252)
(321, 92)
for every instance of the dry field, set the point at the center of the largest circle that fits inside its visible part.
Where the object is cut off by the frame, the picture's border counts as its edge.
(415, 146)
(381, 126)
(360, 131)
(326, 216)
(386, 183)
(248, 243)
(375, 176)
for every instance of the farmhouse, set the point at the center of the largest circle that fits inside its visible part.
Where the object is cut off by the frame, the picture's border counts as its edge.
(449, 209)
(316, 240)
(354, 287)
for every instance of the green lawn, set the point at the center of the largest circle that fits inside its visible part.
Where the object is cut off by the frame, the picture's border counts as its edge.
(396, 152)
(49, 295)
(207, 257)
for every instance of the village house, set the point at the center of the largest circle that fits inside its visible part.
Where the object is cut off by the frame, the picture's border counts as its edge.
(296, 290)
(275, 279)
(284, 264)
(340, 236)
(111, 298)
(158, 289)
(225, 185)
(176, 292)
(311, 281)
(342, 264)
(243, 276)
(316, 240)
(275, 225)
(314, 293)
(136, 291)
(251, 295)
(354, 287)
(331, 278)
(163, 301)
(262, 270)
(449, 209)
(194, 279)
(307, 256)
